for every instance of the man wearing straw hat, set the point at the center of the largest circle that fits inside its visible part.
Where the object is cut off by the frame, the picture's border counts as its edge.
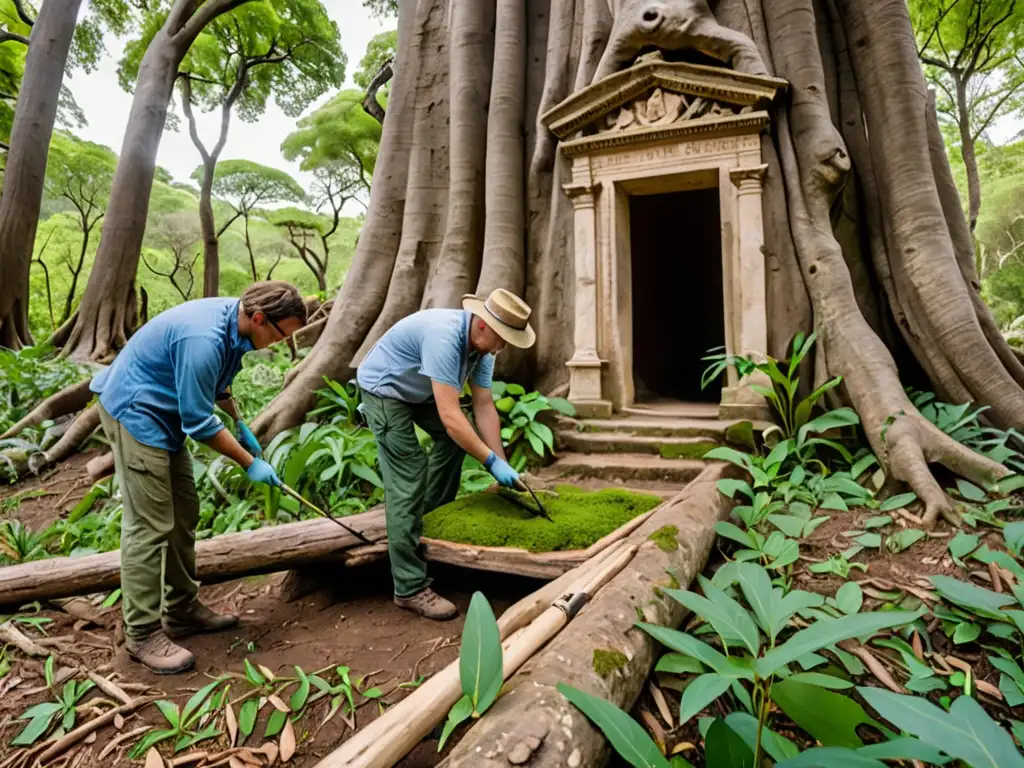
(414, 375)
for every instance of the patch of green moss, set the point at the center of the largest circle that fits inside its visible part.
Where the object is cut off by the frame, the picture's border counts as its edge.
(580, 518)
(665, 538)
(695, 450)
(607, 662)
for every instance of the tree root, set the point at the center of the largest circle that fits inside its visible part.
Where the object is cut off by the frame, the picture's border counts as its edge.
(69, 400)
(79, 431)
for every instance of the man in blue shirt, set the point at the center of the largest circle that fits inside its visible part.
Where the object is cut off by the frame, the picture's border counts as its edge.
(414, 375)
(161, 388)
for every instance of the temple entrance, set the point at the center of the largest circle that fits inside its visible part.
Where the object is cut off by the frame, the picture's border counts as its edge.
(678, 304)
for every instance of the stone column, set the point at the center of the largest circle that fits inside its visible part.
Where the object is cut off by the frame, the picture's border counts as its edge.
(749, 297)
(586, 365)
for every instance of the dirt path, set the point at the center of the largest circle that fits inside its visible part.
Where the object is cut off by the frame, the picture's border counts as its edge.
(37, 501)
(354, 623)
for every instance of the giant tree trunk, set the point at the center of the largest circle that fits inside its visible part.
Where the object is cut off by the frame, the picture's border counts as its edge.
(24, 175)
(890, 288)
(106, 316)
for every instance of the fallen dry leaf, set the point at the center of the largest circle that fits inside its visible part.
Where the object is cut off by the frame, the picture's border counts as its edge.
(270, 750)
(682, 746)
(231, 723)
(659, 700)
(119, 721)
(265, 672)
(916, 645)
(153, 759)
(279, 705)
(986, 687)
(287, 742)
(90, 738)
(657, 732)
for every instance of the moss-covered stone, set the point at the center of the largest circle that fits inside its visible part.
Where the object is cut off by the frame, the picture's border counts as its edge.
(694, 450)
(608, 662)
(665, 538)
(580, 518)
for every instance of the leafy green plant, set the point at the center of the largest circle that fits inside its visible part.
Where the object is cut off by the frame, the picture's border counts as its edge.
(20, 544)
(187, 725)
(337, 403)
(527, 440)
(480, 666)
(63, 710)
(29, 376)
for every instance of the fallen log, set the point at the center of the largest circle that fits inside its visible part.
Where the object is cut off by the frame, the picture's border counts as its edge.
(220, 558)
(533, 719)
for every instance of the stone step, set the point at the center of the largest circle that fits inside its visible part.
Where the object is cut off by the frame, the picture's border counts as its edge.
(625, 468)
(625, 442)
(652, 427)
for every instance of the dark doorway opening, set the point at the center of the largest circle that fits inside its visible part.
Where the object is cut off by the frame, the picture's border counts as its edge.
(678, 305)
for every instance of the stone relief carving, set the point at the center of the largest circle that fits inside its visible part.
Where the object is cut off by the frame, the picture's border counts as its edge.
(662, 107)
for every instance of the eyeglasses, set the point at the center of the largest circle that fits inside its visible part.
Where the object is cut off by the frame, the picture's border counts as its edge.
(288, 340)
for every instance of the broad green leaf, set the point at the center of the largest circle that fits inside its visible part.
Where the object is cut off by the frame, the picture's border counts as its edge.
(194, 702)
(849, 598)
(756, 585)
(981, 601)
(823, 634)
(151, 738)
(275, 723)
(480, 659)
(252, 674)
(831, 757)
(897, 502)
(966, 732)
(904, 748)
(787, 554)
(840, 417)
(43, 709)
(788, 524)
(247, 717)
(209, 732)
(776, 745)
(877, 522)
(778, 453)
(821, 680)
(1013, 533)
(36, 727)
(170, 712)
(699, 693)
(1010, 484)
(970, 491)
(796, 601)
(724, 748)
(691, 646)
(459, 713)
(624, 733)
(301, 695)
(731, 487)
(728, 618)
(961, 545)
(803, 410)
(835, 502)
(903, 539)
(678, 664)
(870, 540)
(831, 718)
(734, 532)
(966, 632)
(731, 455)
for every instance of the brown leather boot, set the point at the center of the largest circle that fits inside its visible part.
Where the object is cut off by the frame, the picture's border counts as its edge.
(429, 604)
(158, 654)
(195, 619)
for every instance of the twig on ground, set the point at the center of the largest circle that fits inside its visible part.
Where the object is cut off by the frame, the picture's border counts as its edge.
(874, 666)
(403, 649)
(438, 646)
(85, 729)
(997, 583)
(120, 739)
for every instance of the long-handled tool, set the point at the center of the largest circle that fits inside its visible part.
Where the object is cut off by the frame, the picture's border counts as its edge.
(295, 495)
(540, 511)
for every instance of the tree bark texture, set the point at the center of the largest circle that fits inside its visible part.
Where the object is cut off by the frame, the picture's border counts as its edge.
(24, 176)
(864, 241)
(106, 315)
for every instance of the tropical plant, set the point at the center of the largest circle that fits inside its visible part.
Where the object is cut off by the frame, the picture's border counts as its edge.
(480, 666)
(63, 710)
(20, 544)
(29, 376)
(527, 440)
(187, 725)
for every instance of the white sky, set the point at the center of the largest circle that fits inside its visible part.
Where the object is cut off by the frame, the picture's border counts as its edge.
(106, 105)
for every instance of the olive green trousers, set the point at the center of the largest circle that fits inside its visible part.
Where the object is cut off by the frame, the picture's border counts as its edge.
(158, 529)
(414, 482)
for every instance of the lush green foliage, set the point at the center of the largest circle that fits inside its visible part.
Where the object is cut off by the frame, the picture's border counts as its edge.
(379, 50)
(29, 376)
(62, 711)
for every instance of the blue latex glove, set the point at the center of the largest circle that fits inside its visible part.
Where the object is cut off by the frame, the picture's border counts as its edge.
(248, 439)
(501, 471)
(260, 471)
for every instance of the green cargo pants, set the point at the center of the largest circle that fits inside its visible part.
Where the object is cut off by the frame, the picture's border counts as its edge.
(414, 483)
(158, 529)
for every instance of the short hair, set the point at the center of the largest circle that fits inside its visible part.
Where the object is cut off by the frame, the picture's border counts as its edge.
(276, 299)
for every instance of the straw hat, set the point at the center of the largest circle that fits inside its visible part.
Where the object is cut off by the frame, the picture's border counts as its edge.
(506, 313)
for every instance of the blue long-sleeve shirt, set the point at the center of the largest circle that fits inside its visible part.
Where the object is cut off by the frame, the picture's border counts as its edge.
(163, 384)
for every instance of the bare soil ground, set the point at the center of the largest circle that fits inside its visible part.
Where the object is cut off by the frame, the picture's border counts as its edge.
(350, 620)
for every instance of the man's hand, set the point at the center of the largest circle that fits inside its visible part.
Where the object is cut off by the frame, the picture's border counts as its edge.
(248, 439)
(260, 471)
(502, 471)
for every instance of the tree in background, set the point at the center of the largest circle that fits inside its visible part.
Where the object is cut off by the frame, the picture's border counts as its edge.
(80, 172)
(286, 49)
(340, 140)
(971, 49)
(304, 230)
(107, 313)
(177, 233)
(245, 185)
(375, 71)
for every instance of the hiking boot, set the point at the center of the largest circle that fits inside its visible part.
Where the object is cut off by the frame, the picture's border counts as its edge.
(195, 619)
(158, 654)
(429, 604)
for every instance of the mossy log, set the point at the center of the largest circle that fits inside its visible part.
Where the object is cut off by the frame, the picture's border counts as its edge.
(532, 723)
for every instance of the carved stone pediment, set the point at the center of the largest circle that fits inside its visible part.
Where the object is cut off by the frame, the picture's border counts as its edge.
(660, 99)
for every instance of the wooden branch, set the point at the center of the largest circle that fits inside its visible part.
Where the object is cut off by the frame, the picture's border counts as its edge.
(370, 103)
(19, 6)
(12, 37)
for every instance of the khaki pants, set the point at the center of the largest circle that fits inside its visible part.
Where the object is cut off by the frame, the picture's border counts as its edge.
(158, 529)
(414, 483)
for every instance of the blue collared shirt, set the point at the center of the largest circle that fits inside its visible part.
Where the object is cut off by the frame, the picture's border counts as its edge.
(429, 345)
(163, 384)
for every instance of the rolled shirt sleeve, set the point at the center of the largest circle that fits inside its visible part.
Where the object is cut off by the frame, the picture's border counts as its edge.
(196, 369)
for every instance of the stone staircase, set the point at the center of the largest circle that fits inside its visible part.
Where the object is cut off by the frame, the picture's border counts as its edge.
(658, 448)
